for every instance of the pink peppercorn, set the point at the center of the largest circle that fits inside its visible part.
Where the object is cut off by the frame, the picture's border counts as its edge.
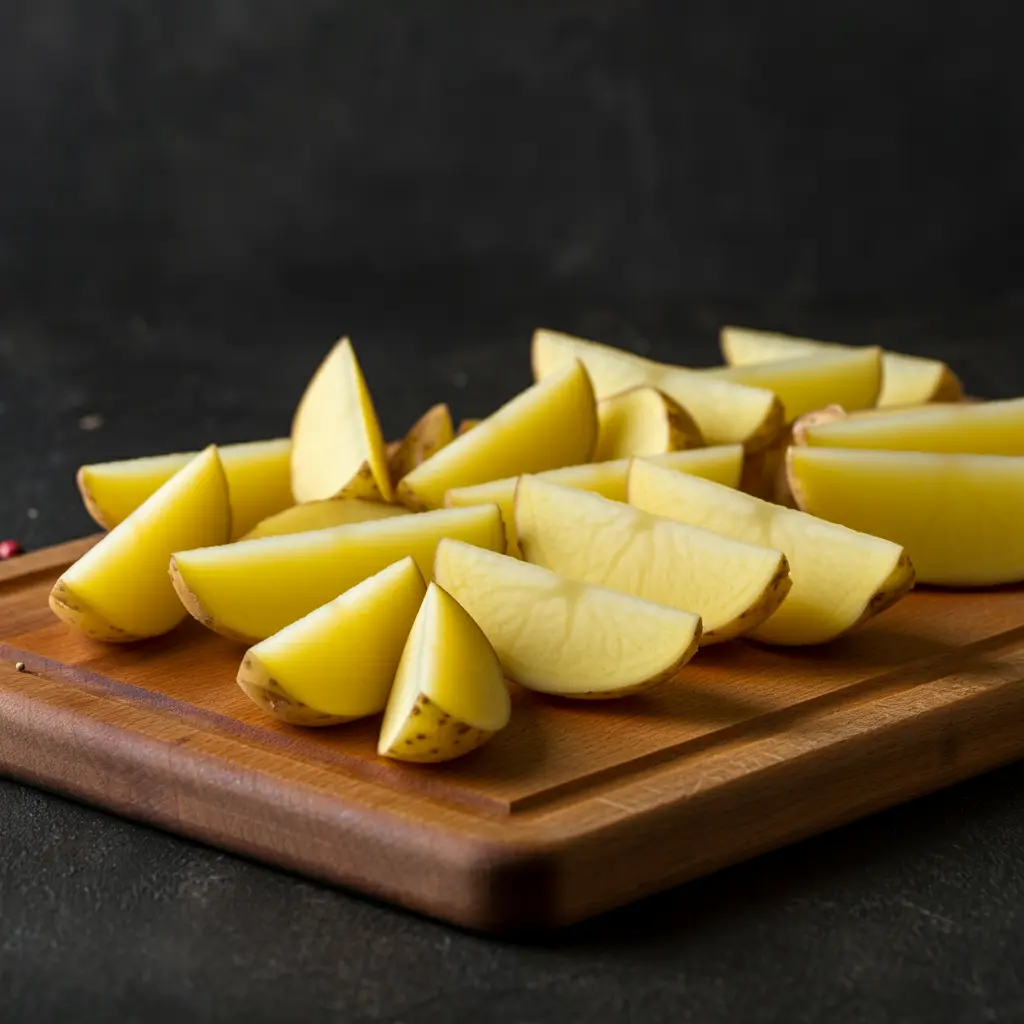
(9, 549)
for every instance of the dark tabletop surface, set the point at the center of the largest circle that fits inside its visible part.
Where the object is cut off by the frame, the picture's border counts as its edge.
(916, 914)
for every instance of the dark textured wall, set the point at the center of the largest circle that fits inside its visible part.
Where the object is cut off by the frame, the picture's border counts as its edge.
(722, 148)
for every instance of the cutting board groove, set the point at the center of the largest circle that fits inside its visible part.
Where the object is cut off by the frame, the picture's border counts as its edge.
(575, 808)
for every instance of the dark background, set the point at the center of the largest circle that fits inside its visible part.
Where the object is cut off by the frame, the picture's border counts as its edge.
(197, 198)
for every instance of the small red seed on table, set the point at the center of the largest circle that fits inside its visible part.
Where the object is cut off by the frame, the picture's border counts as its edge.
(9, 549)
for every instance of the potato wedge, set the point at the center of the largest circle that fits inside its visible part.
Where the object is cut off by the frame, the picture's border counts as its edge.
(429, 434)
(465, 426)
(337, 448)
(559, 636)
(721, 463)
(252, 589)
(734, 586)
(642, 421)
(906, 380)
(449, 695)
(338, 662)
(258, 474)
(725, 413)
(320, 515)
(958, 516)
(553, 423)
(840, 578)
(849, 377)
(118, 591)
(983, 428)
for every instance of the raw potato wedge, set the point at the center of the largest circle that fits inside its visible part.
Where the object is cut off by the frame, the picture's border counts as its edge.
(721, 463)
(259, 482)
(338, 662)
(449, 695)
(850, 377)
(250, 590)
(840, 577)
(552, 424)
(958, 516)
(119, 590)
(985, 428)
(642, 421)
(319, 515)
(337, 448)
(906, 380)
(725, 413)
(732, 585)
(559, 636)
(429, 434)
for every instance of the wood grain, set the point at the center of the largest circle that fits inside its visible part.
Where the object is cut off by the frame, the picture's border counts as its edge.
(571, 810)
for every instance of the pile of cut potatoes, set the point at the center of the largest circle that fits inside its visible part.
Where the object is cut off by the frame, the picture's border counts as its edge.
(583, 541)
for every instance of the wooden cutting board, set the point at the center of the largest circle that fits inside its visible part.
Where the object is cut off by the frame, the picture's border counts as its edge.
(573, 809)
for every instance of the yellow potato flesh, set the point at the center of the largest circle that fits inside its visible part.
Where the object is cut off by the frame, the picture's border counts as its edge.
(337, 447)
(722, 463)
(560, 636)
(840, 577)
(725, 413)
(428, 435)
(250, 590)
(985, 428)
(642, 421)
(553, 423)
(958, 516)
(734, 586)
(449, 694)
(320, 515)
(906, 380)
(851, 378)
(339, 661)
(119, 589)
(258, 475)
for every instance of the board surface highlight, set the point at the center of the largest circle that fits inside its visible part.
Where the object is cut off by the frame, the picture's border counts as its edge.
(573, 809)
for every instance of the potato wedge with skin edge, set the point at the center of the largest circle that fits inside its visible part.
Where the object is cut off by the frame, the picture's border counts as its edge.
(642, 421)
(337, 664)
(449, 695)
(321, 515)
(849, 377)
(429, 434)
(561, 637)
(250, 590)
(337, 447)
(956, 515)
(840, 577)
(725, 413)
(982, 428)
(258, 475)
(118, 591)
(551, 424)
(466, 425)
(734, 586)
(721, 463)
(906, 379)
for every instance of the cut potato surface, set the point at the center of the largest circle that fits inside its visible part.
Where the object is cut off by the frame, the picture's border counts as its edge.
(734, 586)
(339, 661)
(958, 516)
(984, 428)
(258, 475)
(319, 515)
(449, 695)
(560, 636)
(840, 577)
(906, 380)
(250, 590)
(119, 590)
(337, 447)
(722, 463)
(725, 412)
(429, 434)
(553, 423)
(849, 377)
(642, 421)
